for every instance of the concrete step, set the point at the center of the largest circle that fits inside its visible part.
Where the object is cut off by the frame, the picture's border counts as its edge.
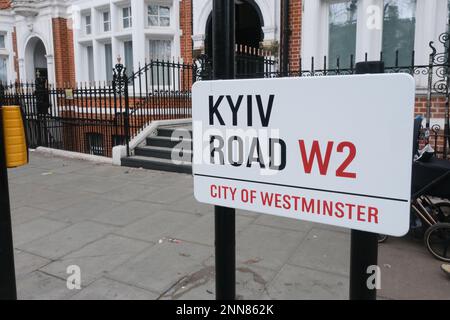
(168, 142)
(175, 132)
(156, 164)
(163, 153)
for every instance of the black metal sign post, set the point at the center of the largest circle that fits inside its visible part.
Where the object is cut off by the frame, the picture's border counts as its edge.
(223, 18)
(7, 272)
(364, 245)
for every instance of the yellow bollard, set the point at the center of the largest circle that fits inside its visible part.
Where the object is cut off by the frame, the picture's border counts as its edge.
(15, 140)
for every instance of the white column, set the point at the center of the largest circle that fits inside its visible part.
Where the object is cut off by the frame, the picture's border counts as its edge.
(139, 12)
(175, 24)
(369, 29)
(313, 31)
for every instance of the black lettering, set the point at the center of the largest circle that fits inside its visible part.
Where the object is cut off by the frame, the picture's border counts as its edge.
(218, 149)
(282, 164)
(265, 118)
(235, 108)
(214, 110)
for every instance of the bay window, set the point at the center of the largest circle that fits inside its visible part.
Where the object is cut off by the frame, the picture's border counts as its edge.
(126, 18)
(160, 50)
(106, 21)
(88, 24)
(2, 41)
(341, 32)
(108, 62)
(399, 24)
(158, 16)
(128, 53)
(3, 68)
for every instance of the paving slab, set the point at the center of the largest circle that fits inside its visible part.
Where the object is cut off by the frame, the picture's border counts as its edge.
(127, 213)
(251, 283)
(24, 214)
(162, 266)
(98, 258)
(268, 247)
(202, 229)
(58, 244)
(324, 250)
(40, 286)
(107, 289)
(129, 192)
(425, 279)
(87, 209)
(297, 283)
(35, 229)
(159, 225)
(26, 263)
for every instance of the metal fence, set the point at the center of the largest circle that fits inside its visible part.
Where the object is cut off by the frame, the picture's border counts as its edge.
(94, 117)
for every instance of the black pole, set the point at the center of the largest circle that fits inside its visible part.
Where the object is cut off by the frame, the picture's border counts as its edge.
(223, 39)
(7, 272)
(364, 245)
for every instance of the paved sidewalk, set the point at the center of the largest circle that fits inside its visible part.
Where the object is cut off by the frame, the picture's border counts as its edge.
(139, 234)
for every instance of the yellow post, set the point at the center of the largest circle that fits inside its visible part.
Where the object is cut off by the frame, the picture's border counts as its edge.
(16, 148)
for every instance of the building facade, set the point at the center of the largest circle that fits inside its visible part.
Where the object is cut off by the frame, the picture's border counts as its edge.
(79, 41)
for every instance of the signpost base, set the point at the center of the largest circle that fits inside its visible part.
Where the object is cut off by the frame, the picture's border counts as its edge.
(7, 272)
(363, 255)
(225, 253)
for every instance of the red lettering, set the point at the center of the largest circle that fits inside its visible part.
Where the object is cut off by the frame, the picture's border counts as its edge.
(316, 153)
(351, 156)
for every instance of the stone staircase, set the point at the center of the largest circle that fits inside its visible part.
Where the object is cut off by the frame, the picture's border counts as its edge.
(171, 142)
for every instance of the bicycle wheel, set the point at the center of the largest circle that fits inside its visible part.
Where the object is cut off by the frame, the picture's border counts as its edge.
(437, 241)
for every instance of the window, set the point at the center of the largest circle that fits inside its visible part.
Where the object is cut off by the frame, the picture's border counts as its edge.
(2, 41)
(88, 24)
(158, 16)
(126, 16)
(128, 52)
(3, 75)
(341, 33)
(106, 21)
(399, 26)
(94, 144)
(160, 50)
(108, 62)
(90, 64)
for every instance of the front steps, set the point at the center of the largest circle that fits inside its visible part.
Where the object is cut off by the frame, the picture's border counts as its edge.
(162, 151)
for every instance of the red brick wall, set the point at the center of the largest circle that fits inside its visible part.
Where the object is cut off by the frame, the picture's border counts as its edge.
(295, 26)
(64, 52)
(437, 106)
(4, 4)
(186, 27)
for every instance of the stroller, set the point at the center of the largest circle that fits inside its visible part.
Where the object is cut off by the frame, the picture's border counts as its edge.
(430, 213)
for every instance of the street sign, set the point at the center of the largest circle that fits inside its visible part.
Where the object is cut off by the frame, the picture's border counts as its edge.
(332, 150)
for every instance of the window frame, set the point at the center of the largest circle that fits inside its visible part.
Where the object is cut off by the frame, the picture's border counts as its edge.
(88, 26)
(128, 18)
(3, 36)
(158, 16)
(106, 22)
(4, 59)
(169, 83)
(326, 36)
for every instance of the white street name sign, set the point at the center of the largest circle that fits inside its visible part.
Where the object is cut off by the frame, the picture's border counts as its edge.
(332, 150)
